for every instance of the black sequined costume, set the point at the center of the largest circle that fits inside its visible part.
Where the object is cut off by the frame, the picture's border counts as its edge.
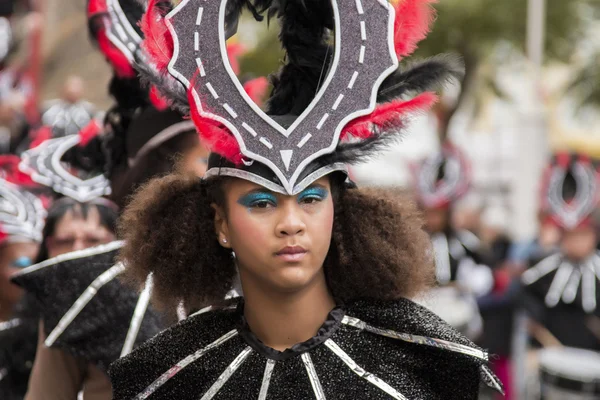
(85, 309)
(366, 349)
(562, 296)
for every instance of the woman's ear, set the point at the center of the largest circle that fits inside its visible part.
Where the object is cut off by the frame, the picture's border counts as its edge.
(221, 227)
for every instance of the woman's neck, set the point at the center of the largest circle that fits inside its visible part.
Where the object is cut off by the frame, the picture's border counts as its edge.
(280, 320)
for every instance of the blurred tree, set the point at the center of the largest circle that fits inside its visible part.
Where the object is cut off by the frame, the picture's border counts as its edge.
(474, 28)
(585, 85)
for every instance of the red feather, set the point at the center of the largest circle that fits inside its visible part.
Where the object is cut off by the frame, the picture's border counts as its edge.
(563, 159)
(96, 7)
(158, 100)
(88, 132)
(387, 113)
(257, 89)
(158, 42)
(412, 24)
(40, 135)
(234, 52)
(214, 135)
(3, 235)
(9, 171)
(119, 62)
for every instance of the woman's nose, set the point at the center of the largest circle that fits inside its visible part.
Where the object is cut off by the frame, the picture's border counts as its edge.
(291, 222)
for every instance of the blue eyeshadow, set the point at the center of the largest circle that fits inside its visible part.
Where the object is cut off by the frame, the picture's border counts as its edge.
(22, 262)
(252, 199)
(313, 192)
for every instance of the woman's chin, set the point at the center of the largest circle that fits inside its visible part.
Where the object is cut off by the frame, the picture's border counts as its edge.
(292, 278)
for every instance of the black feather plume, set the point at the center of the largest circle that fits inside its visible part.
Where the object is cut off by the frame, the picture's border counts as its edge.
(305, 30)
(427, 75)
(355, 152)
(168, 86)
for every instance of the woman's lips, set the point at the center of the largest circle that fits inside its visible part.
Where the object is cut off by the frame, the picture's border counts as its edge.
(291, 253)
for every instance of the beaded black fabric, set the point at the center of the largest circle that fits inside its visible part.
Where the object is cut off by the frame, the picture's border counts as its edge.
(562, 296)
(106, 325)
(365, 350)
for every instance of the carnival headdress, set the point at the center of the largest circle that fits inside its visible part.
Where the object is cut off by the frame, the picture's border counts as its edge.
(21, 213)
(339, 97)
(442, 178)
(45, 164)
(113, 25)
(570, 189)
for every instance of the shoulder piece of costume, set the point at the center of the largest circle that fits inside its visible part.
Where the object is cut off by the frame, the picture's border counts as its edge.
(84, 307)
(450, 248)
(557, 280)
(21, 214)
(570, 190)
(340, 81)
(367, 349)
(18, 342)
(66, 118)
(442, 178)
(46, 166)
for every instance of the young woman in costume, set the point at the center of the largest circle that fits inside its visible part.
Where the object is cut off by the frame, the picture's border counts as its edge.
(326, 269)
(440, 180)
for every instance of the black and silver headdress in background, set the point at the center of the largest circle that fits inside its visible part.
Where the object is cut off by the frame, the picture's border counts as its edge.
(341, 81)
(21, 214)
(570, 190)
(442, 177)
(44, 164)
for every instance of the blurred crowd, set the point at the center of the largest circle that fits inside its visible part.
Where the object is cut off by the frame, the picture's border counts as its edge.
(68, 167)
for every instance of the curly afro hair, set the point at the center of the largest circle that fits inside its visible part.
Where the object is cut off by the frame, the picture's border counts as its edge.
(169, 230)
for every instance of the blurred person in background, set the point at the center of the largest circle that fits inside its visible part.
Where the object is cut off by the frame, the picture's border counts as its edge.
(72, 225)
(560, 288)
(441, 180)
(498, 307)
(21, 221)
(17, 85)
(68, 114)
(467, 213)
(140, 138)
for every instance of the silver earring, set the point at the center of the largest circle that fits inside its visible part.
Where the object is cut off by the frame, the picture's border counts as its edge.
(224, 240)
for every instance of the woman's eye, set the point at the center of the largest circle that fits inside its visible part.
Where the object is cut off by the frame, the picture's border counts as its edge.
(310, 199)
(258, 201)
(262, 204)
(312, 195)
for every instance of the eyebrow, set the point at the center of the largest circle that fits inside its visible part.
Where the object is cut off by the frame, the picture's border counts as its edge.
(265, 190)
(258, 190)
(314, 185)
